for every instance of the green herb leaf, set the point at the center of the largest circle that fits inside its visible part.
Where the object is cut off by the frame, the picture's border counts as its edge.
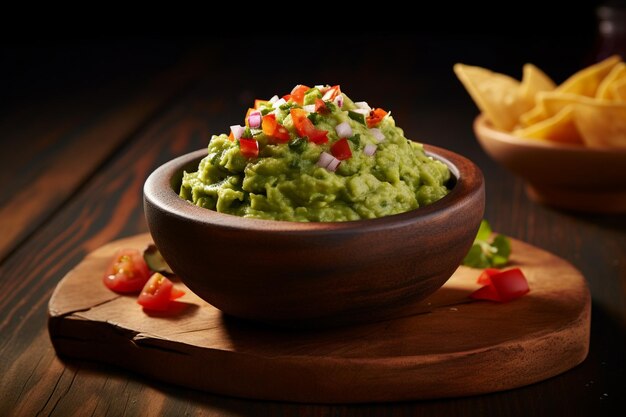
(314, 117)
(484, 231)
(298, 144)
(485, 254)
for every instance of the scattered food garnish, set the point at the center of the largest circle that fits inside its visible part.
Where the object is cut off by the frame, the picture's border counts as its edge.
(158, 293)
(127, 272)
(501, 286)
(484, 254)
(155, 260)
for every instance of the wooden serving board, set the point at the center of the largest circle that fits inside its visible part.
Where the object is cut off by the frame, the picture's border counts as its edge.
(456, 347)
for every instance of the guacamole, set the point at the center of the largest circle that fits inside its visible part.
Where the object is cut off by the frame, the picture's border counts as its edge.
(315, 155)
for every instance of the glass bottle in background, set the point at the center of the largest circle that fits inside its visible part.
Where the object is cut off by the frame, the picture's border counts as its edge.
(611, 29)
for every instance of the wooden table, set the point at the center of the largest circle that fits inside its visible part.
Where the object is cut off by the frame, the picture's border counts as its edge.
(71, 176)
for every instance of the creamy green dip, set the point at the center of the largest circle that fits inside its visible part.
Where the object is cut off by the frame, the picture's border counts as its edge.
(291, 180)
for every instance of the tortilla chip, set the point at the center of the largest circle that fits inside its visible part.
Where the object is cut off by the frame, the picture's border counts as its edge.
(605, 90)
(586, 81)
(496, 95)
(619, 91)
(558, 128)
(549, 103)
(601, 124)
(534, 81)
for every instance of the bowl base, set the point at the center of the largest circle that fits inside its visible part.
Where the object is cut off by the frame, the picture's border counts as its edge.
(596, 201)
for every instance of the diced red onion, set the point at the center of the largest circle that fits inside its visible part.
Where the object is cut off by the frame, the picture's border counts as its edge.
(325, 159)
(362, 111)
(343, 130)
(369, 149)
(378, 135)
(327, 95)
(279, 103)
(309, 107)
(332, 167)
(237, 131)
(339, 100)
(363, 105)
(323, 88)
(254, 119)
(273, 100)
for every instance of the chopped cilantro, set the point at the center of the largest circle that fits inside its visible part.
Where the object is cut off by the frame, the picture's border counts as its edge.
(484, 254)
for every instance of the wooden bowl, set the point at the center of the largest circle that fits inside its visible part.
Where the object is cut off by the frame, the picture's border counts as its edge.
(314, 274)
(572, 177)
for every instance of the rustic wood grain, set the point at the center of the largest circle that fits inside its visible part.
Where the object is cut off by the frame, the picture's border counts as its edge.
(454, 348)
(72, 146)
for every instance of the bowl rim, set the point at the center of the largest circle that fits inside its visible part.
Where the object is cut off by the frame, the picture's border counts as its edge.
(482, 124)
(158, 191)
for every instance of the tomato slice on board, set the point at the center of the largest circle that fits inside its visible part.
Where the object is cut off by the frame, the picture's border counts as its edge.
(272, 128)
(305, 127)
(249, 147)
(375, 117)
(341, 149)
(127, 272)
(502, 286)
(485, 277)
(158, 293)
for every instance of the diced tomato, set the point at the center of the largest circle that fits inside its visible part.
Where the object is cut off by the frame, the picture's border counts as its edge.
(249, 147)
(486, 292)
(485, 277)
(231, 137)
(375, 117)
(158, 293)
(331, 93)
(305, 127)
(501, 286)
(258, 103)
(297, 94)
(320, 106)
(127, 272)
(274, 129)
(341, 149)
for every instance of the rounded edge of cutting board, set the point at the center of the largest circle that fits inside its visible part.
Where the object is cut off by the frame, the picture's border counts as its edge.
(455, 347)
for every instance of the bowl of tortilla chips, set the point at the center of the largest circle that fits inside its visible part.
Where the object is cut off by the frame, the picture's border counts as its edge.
(567, 141)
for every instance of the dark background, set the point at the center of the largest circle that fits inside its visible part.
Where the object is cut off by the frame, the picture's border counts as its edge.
(55, 59)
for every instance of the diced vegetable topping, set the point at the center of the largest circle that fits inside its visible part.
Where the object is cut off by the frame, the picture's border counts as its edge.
(254, 119)
(375, 117)
(332, 93)
(369, 149)
(249, 147)
(343, 130)
(297, 94)
(304, 127)
(328, 161)
(237, 131)
(294, 118)
(378, 135)
(274, 129)
(341, 149)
